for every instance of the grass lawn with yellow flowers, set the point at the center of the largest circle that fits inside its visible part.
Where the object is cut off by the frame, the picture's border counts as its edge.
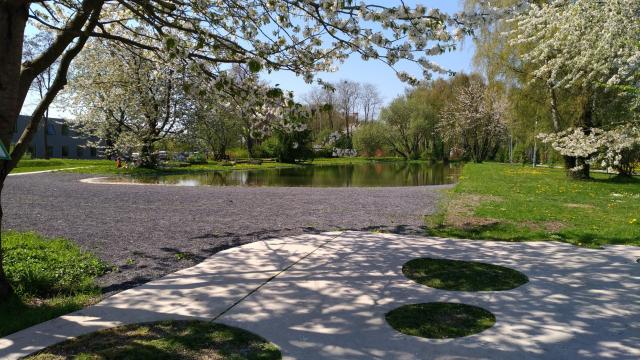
(515, 203)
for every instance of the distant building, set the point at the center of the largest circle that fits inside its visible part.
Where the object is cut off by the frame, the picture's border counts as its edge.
(62, 140)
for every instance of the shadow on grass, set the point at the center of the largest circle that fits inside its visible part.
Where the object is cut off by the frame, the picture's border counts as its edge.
(166, 340)
(512, 233)
(17, 313)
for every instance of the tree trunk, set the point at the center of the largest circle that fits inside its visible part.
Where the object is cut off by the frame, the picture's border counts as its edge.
(250, 145)
(346, 120)
(13, 20)
(555, 117)
(571, 163)
(45, 123)
(147, 156)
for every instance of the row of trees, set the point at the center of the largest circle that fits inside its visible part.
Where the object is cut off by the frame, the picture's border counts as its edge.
(559, 82)
(342, 105)
(460, 116)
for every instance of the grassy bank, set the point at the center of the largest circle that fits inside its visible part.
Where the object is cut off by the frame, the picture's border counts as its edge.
(107, 167)
(51, 277)
(56, 164)
(515, 203)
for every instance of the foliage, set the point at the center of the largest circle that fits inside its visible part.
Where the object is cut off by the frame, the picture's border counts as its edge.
(517, 203)
(197, 158)
(44, 267)
(407, 131)
(340, 140)
(268, 148)
(238, 153)
(369, 138)
(293, 146)
(475, 121)
(212, 126)
(165, 340)
(413, 119)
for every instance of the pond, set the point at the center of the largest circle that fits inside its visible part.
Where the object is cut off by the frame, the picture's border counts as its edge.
(373, 174)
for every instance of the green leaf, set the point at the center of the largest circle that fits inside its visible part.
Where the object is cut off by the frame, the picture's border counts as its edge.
(170, 42)
(274, 93)
(254, 66)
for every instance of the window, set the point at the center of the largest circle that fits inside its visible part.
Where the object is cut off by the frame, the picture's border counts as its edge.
(79, 151)
(51, 129)
(64, 130)
(49, 151)
(93, 152)
(64, 151)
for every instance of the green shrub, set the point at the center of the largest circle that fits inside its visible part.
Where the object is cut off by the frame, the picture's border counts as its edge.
(267, 149)
(293, 146)
(322, 137)
(238, 153)
(42, 267)
(344, 142)
(197, 158)
(323, 153)
(370, 138)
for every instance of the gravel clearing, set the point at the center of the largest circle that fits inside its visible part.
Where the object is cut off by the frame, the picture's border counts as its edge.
(150, 231)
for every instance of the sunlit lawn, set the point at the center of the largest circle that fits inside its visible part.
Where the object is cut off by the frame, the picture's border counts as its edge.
(505, 202)
(56, 164)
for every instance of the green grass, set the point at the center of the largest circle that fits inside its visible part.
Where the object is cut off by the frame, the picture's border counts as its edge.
(51, 277)
(165, 340)
(440, 320)
(56, 164)
(459, 275)
(110, 169)
(514, 203)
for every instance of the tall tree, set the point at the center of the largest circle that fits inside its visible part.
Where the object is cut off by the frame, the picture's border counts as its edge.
(475, 121)
(347, 94)
(138, 93)
(370, 101)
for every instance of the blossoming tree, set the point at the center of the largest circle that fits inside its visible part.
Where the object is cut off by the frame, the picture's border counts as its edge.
(589, 46)
(475, 121)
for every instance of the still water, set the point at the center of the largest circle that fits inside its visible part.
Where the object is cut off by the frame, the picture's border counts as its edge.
(374, 174)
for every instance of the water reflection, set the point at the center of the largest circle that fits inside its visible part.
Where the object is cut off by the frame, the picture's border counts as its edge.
(374, 174)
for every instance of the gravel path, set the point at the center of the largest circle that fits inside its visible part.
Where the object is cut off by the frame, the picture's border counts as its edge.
(150, 231)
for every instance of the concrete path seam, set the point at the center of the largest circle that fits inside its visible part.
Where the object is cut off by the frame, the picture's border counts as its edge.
(48, 171)
(275, 276)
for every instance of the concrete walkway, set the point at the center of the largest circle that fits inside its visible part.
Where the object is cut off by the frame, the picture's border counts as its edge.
(325, 296)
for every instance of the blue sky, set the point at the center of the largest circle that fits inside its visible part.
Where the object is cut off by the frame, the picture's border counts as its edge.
(356, 69)
(379, 74)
